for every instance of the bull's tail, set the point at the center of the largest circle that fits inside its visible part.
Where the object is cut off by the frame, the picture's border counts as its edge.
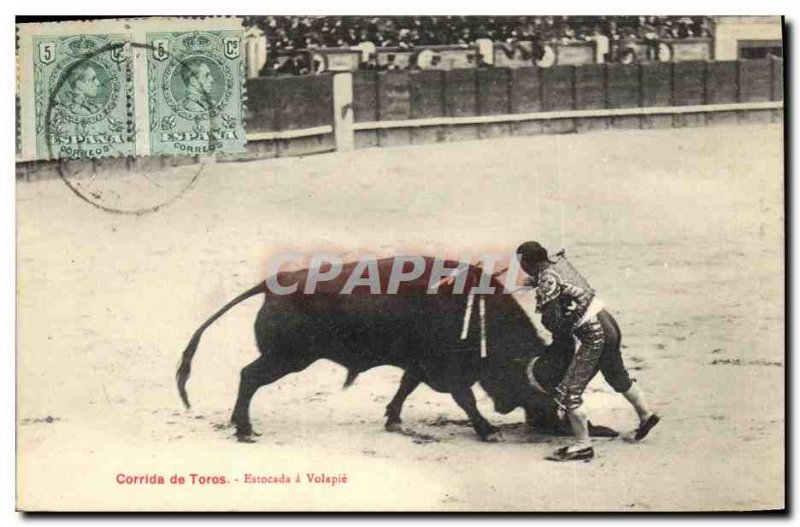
(185, 366)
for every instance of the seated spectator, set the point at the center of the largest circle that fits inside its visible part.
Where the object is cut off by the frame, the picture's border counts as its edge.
(390, 65)
(370, 64)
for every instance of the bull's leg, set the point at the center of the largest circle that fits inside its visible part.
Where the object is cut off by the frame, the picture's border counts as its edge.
(258, 373)
(408, 384)
(466, 400)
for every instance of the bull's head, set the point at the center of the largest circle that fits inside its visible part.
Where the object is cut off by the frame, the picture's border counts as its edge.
(512, 343)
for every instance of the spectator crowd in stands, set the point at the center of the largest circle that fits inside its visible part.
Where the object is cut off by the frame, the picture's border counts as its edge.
(308, 33)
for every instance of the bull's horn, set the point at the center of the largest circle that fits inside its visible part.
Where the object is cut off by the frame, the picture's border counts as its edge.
(532, 378)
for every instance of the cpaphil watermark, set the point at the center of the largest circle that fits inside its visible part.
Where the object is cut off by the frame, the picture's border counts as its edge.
(329, 273)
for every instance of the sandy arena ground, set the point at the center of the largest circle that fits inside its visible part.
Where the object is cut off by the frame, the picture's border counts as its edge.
(680, 231)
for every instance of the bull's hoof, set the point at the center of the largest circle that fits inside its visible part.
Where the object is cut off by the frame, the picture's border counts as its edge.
(563, 429)
(493, 437)
(246, 434)
(245, 438)
(601, 431)
(394, 427)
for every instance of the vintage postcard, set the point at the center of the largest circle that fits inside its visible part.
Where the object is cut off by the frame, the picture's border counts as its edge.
(400, 263)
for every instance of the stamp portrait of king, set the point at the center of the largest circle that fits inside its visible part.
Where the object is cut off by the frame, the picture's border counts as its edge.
(196, 88)
(82, 93)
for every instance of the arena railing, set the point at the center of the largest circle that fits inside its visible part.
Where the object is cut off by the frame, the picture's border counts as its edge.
(371, 108)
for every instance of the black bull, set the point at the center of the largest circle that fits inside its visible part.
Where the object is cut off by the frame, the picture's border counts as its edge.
(413, 330)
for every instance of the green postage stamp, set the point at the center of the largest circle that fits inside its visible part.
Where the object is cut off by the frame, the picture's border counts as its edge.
(194, 88)
(130, 87)
(83, 93)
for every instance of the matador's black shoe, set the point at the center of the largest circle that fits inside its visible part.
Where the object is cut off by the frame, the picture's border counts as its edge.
(563, 454)
(645, 427)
